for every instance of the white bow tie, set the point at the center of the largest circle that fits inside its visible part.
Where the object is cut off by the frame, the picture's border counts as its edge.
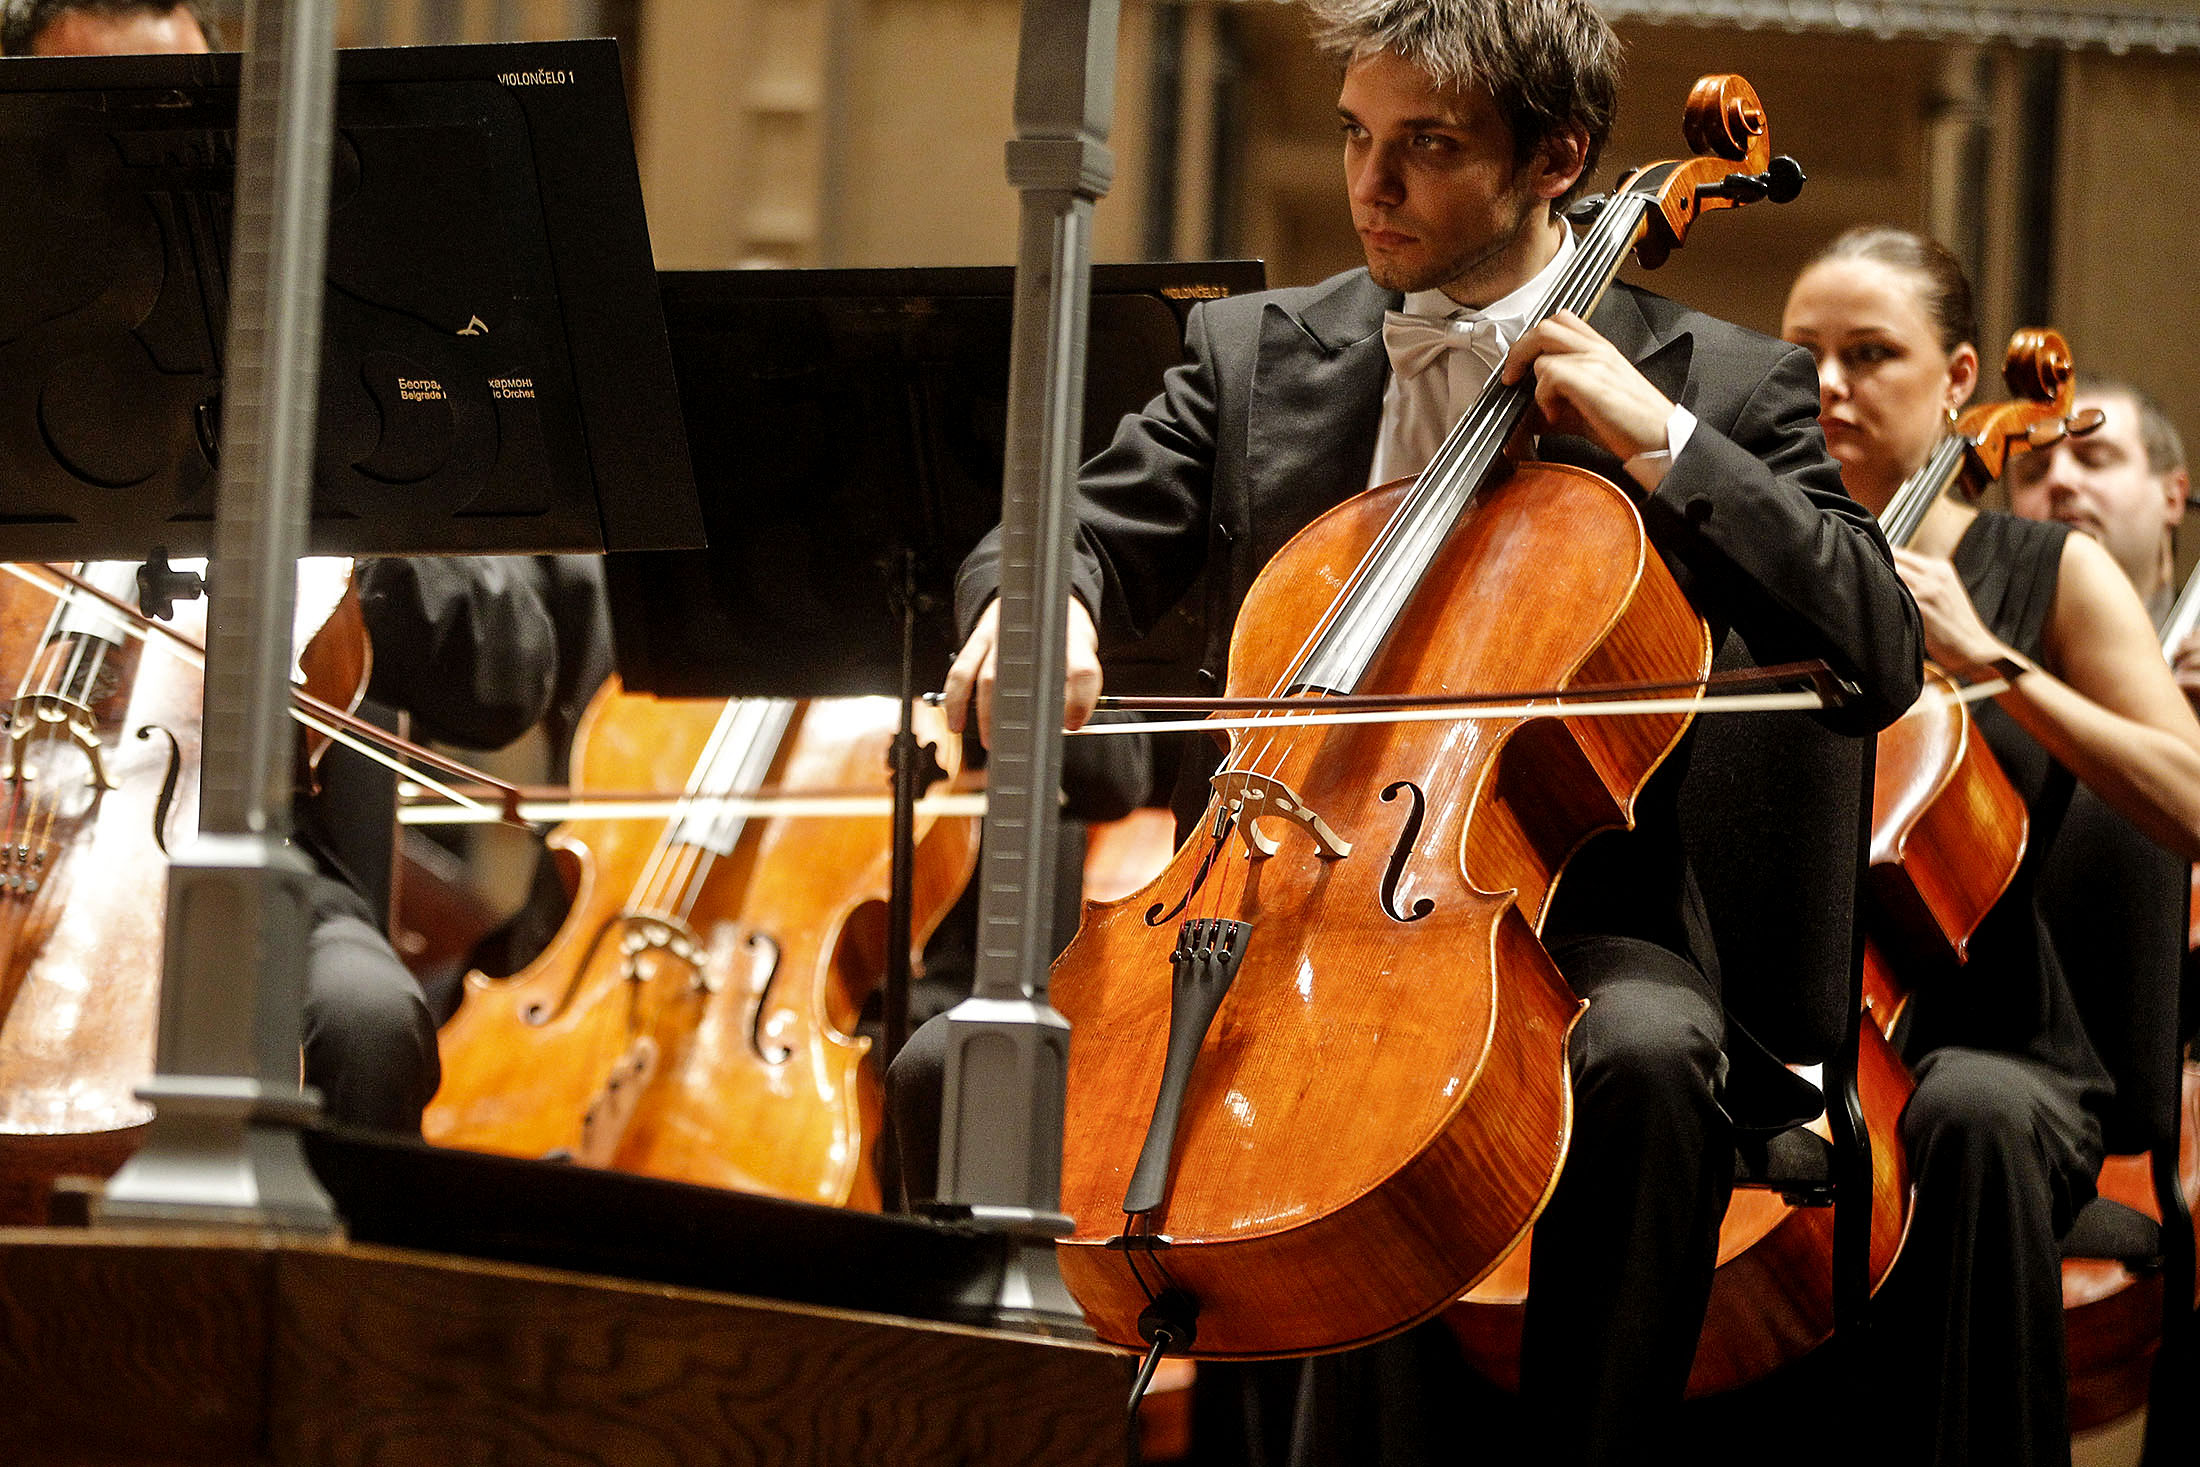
(1416, 343)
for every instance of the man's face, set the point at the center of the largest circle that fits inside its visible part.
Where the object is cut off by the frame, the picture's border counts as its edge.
(1436, 197)
(83, 33)
(2100, 485)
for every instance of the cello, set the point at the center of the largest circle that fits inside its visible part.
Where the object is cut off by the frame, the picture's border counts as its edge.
(100, 775)
(693, 1016)
(1947, 834)
(1948, 830)
(1204, 1163)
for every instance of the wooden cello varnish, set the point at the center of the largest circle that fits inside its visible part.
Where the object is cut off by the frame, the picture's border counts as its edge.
(99, 718)
(1380, 1105)
(1948, 829)
(693, 1018)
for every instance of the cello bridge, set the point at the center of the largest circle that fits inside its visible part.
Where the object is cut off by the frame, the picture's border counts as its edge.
(1256, 797)
(30, 710)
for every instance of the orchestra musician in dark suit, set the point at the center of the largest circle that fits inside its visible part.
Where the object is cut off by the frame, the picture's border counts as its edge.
(1467, 126)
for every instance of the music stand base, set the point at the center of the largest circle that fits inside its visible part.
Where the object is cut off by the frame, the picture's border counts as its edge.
(1030, 1295)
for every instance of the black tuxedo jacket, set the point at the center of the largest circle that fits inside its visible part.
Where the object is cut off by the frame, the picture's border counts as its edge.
(1274, 418)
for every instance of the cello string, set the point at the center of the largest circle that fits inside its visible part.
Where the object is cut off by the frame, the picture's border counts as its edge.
(653, 887)
(66, 684)
(1388, 572)
(22, 803)
(767, 722)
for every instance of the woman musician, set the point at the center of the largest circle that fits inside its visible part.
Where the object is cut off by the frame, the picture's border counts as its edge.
(2004, 1134)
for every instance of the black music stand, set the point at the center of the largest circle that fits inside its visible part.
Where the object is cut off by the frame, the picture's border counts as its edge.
(847, 428)
(493, 377)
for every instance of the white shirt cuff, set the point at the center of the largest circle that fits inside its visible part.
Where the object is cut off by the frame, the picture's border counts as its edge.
(1648, 469)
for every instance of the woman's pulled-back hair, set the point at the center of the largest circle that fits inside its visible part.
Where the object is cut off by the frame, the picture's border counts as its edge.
(1944, 288)
(1547, 64)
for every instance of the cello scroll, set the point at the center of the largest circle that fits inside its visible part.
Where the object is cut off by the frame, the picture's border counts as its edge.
(2042, 382)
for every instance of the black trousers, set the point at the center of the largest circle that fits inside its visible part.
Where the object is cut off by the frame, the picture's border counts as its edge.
(369, 1038)
(1624, 1253)
(2002, 1155)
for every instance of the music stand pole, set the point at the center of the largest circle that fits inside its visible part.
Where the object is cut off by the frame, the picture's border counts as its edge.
(914, 773)
(223, 1146)
(1007, 1048)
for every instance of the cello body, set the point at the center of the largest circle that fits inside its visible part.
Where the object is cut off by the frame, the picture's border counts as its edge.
(101, 718)
(1948, 829)
(81, 904)
(2112, 1317)
(693, 1017)
(1382, 1104)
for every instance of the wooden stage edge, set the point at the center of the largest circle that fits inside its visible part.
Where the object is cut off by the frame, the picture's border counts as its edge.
(157, 1348)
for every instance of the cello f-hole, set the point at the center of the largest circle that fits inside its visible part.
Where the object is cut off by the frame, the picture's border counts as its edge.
(765, 956)
(1409, 833)
(167, 798)
(1155, 917)
(537, 1013)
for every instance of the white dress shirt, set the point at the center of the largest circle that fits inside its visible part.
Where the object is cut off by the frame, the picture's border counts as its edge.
(1436, 378)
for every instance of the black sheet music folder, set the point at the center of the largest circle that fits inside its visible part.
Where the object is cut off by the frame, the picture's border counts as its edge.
(494, 373)
(840, 417)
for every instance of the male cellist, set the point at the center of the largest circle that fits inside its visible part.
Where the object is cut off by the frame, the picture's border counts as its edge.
(1467, 126)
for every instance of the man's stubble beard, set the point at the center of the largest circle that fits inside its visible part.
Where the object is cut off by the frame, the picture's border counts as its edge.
(1390, 277)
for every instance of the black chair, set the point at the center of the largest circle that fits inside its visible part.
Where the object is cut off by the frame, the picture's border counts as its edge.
(1775, 813)
(2116, 905)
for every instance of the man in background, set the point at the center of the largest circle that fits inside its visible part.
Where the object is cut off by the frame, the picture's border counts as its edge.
(2124, 484)
(106, 27)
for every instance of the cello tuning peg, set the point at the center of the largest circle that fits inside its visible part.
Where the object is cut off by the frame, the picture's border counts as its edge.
(1784, 180)
(2082, 423)
(1780, 182)
(161, 586)
(1584, 213)
(1742, 188)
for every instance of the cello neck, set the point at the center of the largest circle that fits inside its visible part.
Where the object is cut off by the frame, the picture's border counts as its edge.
(1385, 582)
(1899, 521)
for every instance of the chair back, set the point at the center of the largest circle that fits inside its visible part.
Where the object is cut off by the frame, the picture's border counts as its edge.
(2116, 905)
(1773, 811)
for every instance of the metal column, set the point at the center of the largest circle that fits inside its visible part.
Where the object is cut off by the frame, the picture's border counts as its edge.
(224, 1146)
(1008, 1050)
